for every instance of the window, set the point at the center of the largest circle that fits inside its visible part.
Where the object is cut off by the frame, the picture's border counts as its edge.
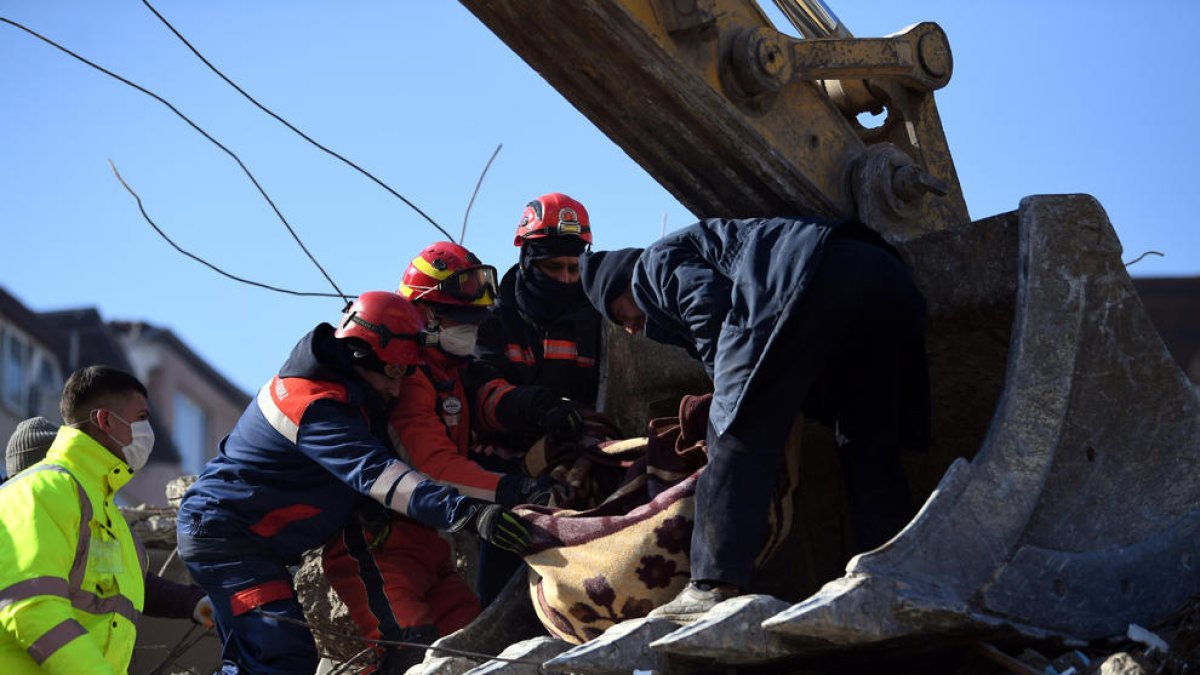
(16, 368)
(189, 432)
(45, 390)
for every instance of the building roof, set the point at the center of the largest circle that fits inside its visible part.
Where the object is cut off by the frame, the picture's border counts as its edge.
(166, 338)
(1173, 304)
(87, 339)
(34, 324)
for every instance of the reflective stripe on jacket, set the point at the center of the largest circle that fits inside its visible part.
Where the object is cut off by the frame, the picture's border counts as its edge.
(515, 357)
(70, 596)
(302, 457)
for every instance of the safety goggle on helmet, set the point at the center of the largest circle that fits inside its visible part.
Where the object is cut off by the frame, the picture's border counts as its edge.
(385, 331)
(449, 274)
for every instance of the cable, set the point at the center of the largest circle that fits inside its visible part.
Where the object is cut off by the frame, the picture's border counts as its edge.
(1139, 258)
(398, 643)
(202, 133)
(289, 125)
(479, 182)
(189, 640)
(204, 262)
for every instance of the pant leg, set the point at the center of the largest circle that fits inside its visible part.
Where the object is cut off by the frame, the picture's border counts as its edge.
(251, 641)
(732, 498)
(386, 585)
(841, 331)
(870, 375)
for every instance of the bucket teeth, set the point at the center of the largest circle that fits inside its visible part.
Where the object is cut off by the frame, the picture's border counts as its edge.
(531, 651)
(621, 649)
(731, 632)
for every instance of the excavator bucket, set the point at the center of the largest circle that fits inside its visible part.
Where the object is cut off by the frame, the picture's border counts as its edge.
(1078, 514)
(1070, 508)
(1062, 496)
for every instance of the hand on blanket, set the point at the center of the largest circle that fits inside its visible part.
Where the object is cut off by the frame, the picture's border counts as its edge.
(496, 525)
(562, 421)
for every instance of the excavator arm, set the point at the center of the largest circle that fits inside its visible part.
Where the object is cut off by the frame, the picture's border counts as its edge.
(738, 119)
(1062, 490)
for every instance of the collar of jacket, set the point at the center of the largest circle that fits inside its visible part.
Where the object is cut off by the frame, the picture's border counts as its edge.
(75, 449)
(321, 356)
(507, 302)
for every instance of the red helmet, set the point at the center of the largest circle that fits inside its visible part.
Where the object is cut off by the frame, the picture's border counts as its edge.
(390, 325)
(449, 274)
(553, 215)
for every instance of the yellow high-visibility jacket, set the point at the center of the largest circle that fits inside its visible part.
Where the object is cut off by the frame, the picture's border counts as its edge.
(68, 603)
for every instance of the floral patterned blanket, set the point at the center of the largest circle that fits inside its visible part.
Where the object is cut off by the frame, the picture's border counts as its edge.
(593, 568)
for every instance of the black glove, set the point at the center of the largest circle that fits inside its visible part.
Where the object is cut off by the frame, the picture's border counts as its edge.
(496, 525)
(562, 421)
(516, 488)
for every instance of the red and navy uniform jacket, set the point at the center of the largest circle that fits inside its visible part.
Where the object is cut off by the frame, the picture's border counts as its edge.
(430, 427)
(517, 362)
(308, 451)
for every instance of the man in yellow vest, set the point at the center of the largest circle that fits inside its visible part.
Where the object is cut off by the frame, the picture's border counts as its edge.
(71, 575)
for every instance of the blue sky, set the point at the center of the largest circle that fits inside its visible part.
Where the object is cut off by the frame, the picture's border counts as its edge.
(1056, 96)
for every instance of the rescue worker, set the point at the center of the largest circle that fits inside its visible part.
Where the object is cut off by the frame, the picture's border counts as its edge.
(398, 577)
(303, 458)
(72, 577)
(536, 360)
(165, 599)
(784, 313)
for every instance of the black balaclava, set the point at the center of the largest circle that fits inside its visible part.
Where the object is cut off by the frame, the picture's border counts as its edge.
(606, 274)
(540, 296)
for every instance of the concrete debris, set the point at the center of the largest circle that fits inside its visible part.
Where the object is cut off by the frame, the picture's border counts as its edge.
(176, 488)
(154, 525)
(331, 625)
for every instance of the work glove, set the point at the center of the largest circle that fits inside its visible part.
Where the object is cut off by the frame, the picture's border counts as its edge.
(515, 488)
(562, 421)
(496, 525)
(202, 613)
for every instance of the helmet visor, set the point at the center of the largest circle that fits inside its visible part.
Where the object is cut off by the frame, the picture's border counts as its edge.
(471, 284)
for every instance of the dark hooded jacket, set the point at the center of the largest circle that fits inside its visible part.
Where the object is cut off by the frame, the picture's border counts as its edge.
(720, 289)
(525, 363)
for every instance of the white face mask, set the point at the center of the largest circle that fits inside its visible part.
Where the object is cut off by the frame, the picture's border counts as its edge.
(459, 340)
(141, 442)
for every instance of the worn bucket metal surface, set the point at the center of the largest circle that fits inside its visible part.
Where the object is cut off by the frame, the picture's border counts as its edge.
(1080, 511)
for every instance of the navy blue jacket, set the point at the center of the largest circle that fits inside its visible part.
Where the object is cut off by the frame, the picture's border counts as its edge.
(719, 288)
(305, 454)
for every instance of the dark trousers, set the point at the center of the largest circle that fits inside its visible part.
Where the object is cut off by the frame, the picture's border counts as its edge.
(844, 355)
(240, 582)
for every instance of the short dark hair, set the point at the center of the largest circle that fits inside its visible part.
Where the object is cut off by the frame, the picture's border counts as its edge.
(92, 385)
